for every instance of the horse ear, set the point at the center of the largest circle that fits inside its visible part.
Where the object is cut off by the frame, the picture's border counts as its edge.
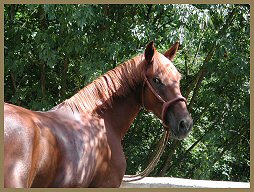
(149, 52)
(170, 54)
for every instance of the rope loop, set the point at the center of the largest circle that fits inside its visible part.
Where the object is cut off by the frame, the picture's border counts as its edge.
(152, 164)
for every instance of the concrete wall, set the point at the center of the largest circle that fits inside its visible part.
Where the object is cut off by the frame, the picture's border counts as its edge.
(168, 182)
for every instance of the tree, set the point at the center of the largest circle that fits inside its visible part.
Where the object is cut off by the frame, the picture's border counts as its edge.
(52, 51)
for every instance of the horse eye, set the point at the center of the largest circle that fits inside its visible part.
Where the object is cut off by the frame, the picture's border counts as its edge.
(157, 81)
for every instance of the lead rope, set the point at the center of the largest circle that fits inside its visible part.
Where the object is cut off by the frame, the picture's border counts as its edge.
(152, 164)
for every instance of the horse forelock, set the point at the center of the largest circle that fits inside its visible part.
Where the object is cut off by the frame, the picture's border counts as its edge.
(116, 83)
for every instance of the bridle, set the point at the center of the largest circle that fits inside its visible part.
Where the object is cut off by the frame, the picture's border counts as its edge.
(165, 104)
(165, 137)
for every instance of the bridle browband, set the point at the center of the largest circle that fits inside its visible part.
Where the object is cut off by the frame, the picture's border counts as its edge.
(165, 105)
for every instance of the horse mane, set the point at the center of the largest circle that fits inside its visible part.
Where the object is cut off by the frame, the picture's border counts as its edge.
(115, 83)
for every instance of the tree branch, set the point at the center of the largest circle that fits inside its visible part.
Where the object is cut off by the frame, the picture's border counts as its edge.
(203, 70)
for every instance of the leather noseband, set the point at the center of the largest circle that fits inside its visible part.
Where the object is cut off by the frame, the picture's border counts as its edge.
(166, 104)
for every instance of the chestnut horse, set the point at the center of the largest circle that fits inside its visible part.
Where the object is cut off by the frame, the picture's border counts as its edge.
(78, 142)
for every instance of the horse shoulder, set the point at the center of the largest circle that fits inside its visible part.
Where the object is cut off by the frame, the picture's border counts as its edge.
(110, 161)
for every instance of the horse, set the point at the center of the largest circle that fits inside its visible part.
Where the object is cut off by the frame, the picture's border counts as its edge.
(78, 142)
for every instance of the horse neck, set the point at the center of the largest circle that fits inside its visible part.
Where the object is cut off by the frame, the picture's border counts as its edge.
(111, 95)
(121, 115)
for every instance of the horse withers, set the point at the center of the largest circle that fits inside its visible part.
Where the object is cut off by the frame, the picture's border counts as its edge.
(78, 142)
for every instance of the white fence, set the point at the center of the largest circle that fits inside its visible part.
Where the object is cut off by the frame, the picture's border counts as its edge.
(168, 182)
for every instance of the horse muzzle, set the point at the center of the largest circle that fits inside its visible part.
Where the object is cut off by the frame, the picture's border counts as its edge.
(176, 118)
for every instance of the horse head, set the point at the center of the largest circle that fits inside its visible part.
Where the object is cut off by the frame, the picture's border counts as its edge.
(161, 92)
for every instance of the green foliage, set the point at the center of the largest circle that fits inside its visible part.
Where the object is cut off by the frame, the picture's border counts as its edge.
(55, 50)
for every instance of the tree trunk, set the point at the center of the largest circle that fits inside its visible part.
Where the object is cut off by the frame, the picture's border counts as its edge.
(13, 77)
(44, 27)
(168, 161)
(186, 61)
(43, 80)
(64, 78)
(13, 80)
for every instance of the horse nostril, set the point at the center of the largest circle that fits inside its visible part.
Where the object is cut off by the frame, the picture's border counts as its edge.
(183, 125)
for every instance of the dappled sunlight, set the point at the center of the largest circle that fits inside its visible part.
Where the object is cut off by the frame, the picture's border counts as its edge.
(83, 73)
